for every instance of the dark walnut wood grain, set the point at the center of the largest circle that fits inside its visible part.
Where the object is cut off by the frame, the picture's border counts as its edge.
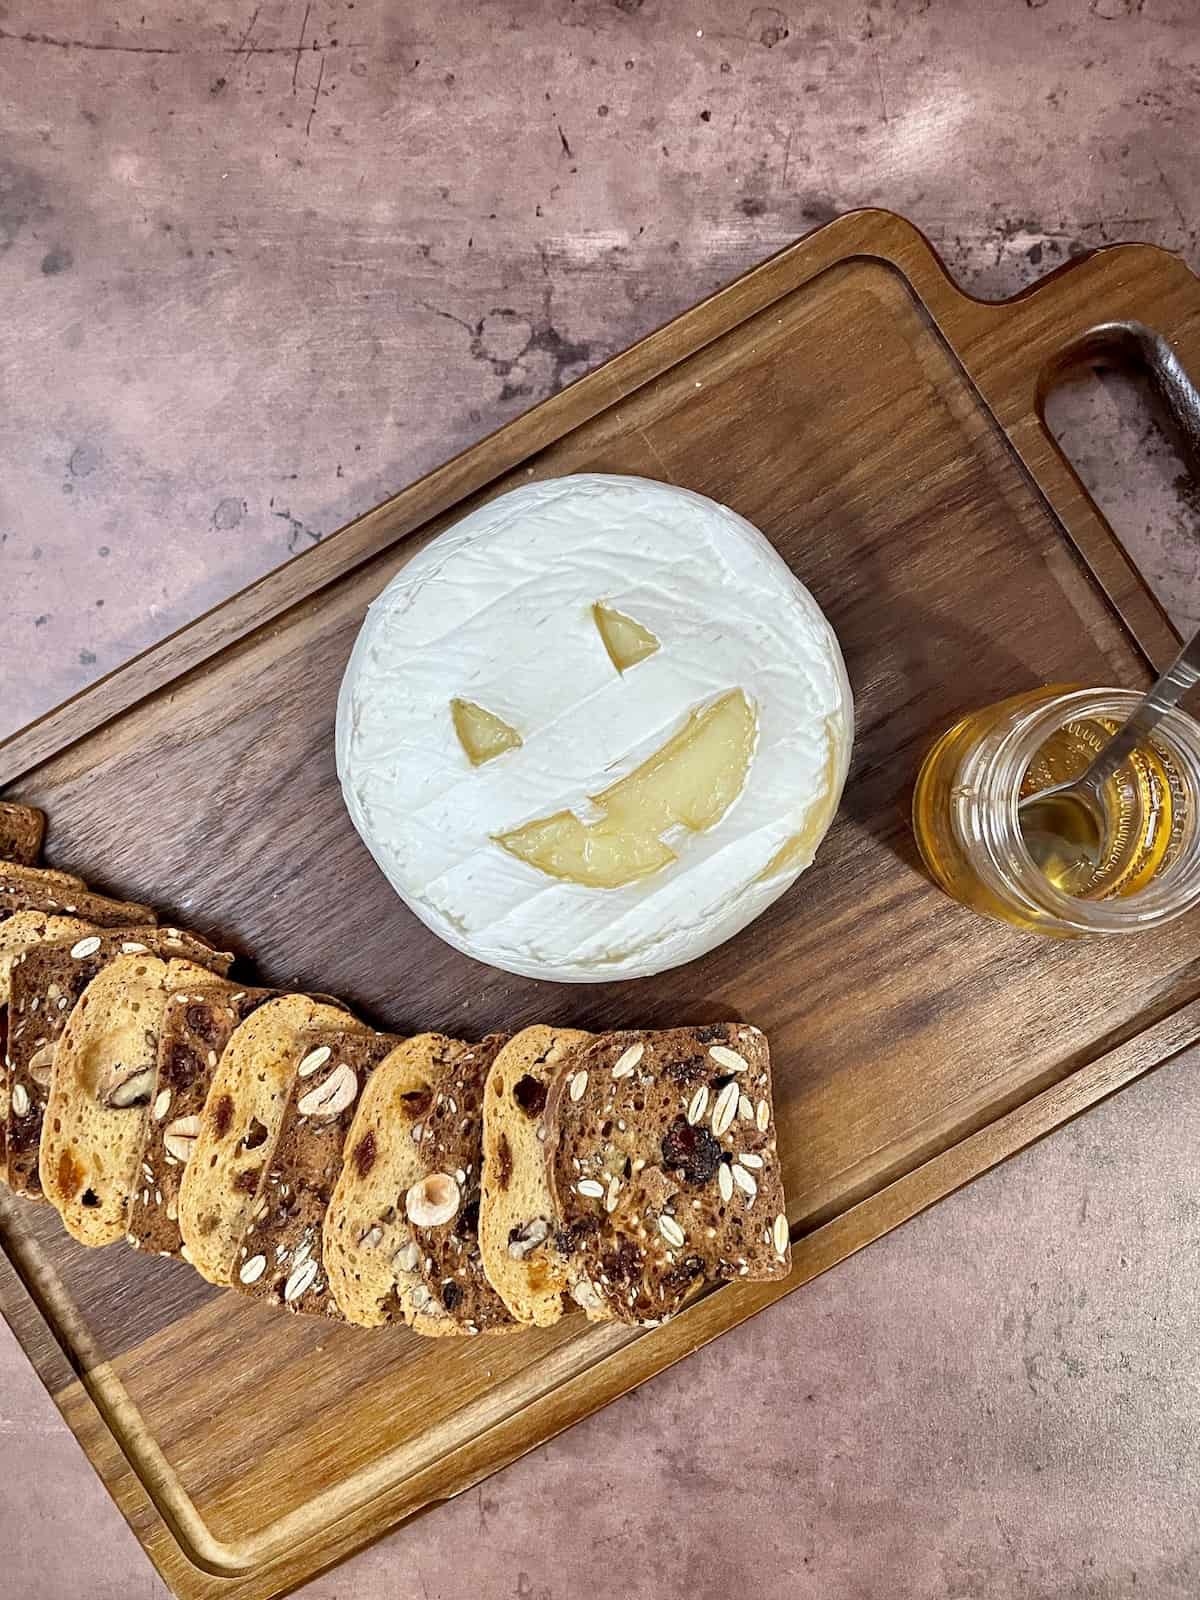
(885, 431)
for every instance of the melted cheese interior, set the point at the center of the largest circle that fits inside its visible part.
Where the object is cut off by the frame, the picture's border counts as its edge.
(482, 734)
(691, 780)
(626, 641)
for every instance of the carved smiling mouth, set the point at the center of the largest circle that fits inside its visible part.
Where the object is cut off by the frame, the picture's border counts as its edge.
(690, 781)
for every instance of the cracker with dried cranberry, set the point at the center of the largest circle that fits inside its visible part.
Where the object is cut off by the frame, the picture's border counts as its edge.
(663, 1166)
(443, 1209)
(280, 1256)
(45, 982)
(516, 1217)
(234, 1147)
(196, 1028)
(369, 1252)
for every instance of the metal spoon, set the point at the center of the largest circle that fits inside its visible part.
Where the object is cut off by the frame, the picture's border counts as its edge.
(1065, 825)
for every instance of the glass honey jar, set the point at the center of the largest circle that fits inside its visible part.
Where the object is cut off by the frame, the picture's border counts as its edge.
(965, 814)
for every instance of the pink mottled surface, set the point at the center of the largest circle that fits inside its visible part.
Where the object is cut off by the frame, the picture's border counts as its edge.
(263, 265)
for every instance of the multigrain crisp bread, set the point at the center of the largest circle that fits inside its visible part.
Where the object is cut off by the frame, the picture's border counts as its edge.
(45, 982)
(662, 1160)
(18, 933)
(18, 879)
(370, 1255)
(516, 1214)
(100, 1094)
(24, 929)
(443, 1209)
(280, 1258)
(22, 829)
(239, 1129)
(197, 1024)
(43, 889)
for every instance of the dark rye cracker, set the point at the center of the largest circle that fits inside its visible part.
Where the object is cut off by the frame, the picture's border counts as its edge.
(662, 1161)
(443, 1208)
(370, 1255)
(17, 933)
(239, 1128)
(100, 1094)
(41, 889)
(280, 1258)
(196, 1027)
(45, 982)
(24, 929)
(22, 829)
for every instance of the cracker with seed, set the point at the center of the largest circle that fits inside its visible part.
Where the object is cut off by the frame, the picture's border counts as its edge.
(100, 1093)
(662, 1161)
(370, 1255)
(516, 1213)
(443, 1207)
(45, 982)
(18, 933)
(45, 889)
(197, 1025)
(24, 929)
(240, 1126)
(280, 1258)
(22, 829)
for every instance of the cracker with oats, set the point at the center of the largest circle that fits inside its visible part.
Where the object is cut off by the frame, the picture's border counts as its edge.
(443, 1207)
(370, 1254)
(46, 889)
(197, 1025)
(280, 1258)
(18, 933)
(100, 1093)
(22, 829)
(516, 1212)
(240, 1126)
(662, 1162)
(45, 982)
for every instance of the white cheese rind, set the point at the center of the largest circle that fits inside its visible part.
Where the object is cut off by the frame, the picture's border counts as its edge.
(497, 610)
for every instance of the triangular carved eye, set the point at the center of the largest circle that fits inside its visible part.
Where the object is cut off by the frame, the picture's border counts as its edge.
(482, 734)
(626, 641)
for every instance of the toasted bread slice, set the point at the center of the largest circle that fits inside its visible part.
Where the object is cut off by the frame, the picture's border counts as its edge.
(240, 1127)
(662, 1163)
(370, 1255)
(516, 1214)
(45, 982)
(22, 829)
(24, 929)
(18, 933)
(443, 1209)
(100, 1094)
(44, 889)
(280, 1258)
(197, 1025)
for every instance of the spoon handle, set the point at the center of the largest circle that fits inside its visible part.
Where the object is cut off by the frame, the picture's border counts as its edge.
(1175, 682)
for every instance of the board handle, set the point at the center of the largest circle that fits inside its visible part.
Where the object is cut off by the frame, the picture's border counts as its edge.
(1168, 375)
(1134, 304)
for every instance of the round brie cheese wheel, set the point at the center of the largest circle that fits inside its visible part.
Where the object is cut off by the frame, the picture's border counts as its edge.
(594, 729)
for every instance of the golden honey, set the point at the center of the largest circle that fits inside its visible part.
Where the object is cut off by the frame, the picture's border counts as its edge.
(968, 829)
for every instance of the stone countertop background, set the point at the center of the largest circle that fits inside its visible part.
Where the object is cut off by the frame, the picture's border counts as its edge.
(264, 265)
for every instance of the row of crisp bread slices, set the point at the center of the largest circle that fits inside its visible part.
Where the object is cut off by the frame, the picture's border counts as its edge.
(284, 1147)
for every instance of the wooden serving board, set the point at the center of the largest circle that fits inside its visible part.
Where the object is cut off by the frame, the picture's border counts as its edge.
(885, 431)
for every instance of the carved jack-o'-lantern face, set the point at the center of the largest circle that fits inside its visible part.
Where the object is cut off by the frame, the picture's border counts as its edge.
(593, 729)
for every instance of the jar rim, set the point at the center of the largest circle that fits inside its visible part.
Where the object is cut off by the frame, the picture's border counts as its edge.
(1167, 896)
